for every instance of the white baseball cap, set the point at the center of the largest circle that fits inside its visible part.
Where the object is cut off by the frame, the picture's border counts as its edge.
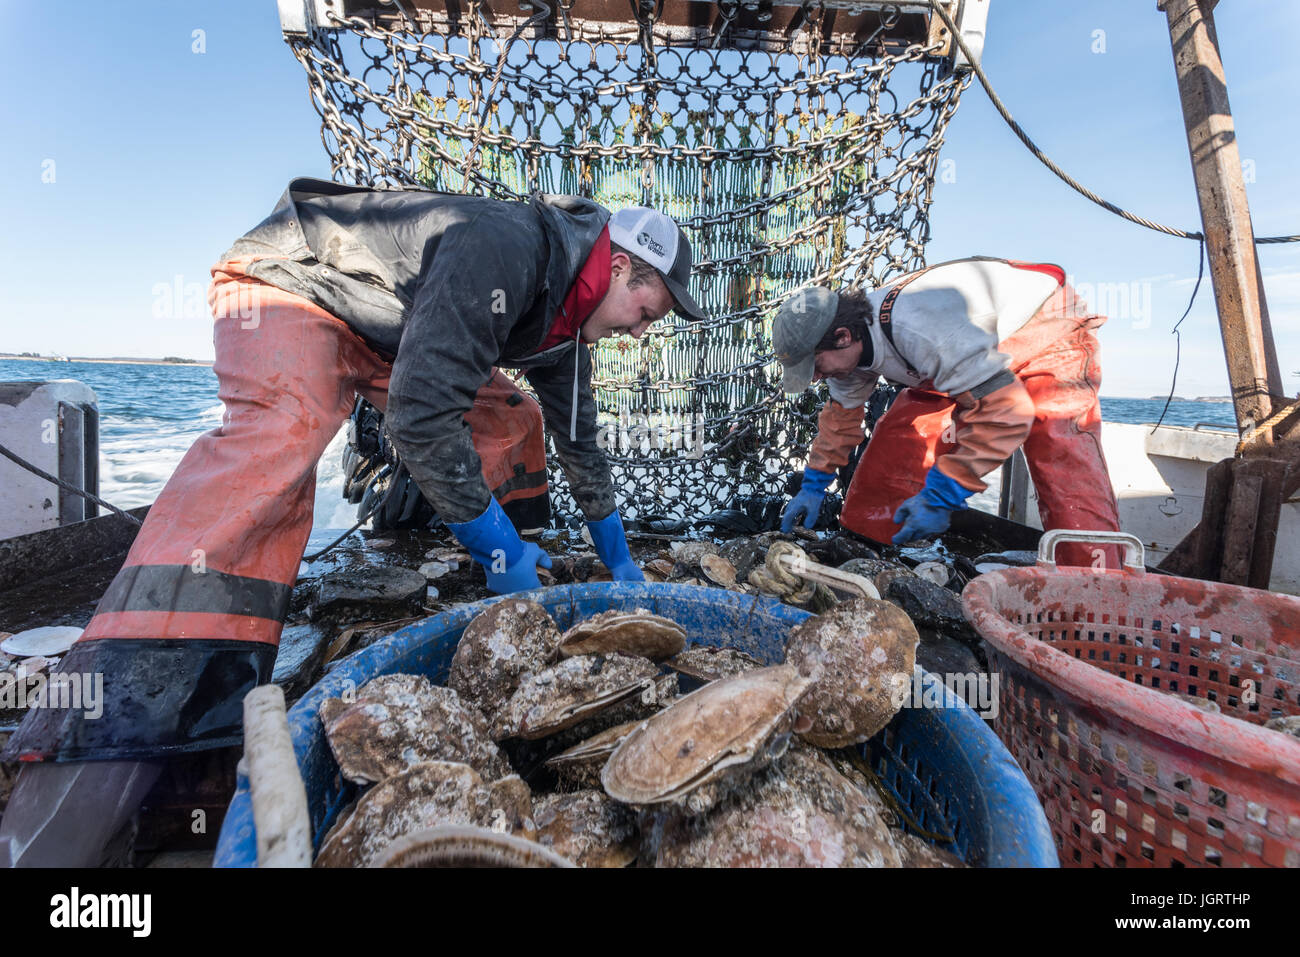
(658, 240)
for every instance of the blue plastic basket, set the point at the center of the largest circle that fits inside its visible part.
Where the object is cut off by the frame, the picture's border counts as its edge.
(943, 764)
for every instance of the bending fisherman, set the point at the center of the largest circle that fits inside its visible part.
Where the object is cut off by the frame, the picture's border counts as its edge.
(996, 355)
(412, 299)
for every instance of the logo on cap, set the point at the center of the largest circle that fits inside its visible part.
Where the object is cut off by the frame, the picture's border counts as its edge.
(645, 239)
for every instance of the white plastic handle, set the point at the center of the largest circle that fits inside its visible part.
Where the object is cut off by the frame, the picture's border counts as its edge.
(1134, 553)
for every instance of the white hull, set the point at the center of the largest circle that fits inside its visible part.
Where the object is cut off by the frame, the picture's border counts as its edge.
(1159, 483)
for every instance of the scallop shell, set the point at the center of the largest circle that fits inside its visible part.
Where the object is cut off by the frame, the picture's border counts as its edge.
(588, 828)
(800, 812)
(458, 845)
(661, 567)
(937, 572)
(636, 632)
(918, 852)
(870, 567)
(690, 553)
(398, 721)
(1204, 704)
(713, 736)
(743, 554)
(46, 642)
(429, 794)
(501, 645)
(1289, 724)
(706, 663)
(885, 577)
(855, 655)
(572, 691)
(718, 570)
(581, 763)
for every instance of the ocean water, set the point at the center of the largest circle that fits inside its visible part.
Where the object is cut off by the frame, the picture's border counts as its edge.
(151, 414)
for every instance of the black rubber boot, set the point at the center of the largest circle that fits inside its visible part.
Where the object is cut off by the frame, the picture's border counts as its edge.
(65, 815)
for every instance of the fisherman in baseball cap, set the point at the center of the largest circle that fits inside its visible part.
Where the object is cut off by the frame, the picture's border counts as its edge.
(660, 242)
(802, 322)
(993, 355)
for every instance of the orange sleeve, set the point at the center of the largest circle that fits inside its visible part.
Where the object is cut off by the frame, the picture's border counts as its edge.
(988, 430)
(839, 432)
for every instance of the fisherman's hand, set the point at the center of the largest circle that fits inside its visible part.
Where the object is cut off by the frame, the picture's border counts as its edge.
(521, 575)
(929, 511)
(808, 503)
(920, 519)
(611, 545)
(491, 540)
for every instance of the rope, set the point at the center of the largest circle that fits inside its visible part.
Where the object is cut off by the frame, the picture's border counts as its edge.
(1050, 164)
(66, 486)
(1288, 410)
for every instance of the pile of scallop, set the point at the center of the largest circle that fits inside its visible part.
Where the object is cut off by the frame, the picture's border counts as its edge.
(625, 769)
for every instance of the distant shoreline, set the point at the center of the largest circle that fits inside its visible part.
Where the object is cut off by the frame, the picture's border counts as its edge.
(117, 361)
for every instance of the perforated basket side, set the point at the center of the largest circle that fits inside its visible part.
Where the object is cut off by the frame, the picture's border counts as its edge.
(1129, 774)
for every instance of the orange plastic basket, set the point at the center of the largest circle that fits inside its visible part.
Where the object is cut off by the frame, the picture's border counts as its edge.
(1129, 774)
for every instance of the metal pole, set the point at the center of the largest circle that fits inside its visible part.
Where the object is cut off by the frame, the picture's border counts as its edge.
(1225, 214)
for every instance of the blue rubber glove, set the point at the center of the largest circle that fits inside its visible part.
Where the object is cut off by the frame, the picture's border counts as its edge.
(928, 512)
(611, 546)
(491, 540)
(808, 502)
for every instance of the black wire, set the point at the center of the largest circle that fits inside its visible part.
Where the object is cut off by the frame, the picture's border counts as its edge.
(334, 544)
(1051, 164)
(66, 486)
(1178, 336)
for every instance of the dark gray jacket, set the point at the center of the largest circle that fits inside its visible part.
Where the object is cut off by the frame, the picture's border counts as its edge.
(447, 286)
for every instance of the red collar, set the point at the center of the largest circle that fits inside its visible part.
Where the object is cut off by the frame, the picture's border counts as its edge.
(584, 296)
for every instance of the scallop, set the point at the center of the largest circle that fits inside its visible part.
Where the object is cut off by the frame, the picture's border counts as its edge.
(705, 663)
(398, 721)
(858, 656)
(709, 739)
(580, 765)
(587, 828)
(571, 692)
(888, 576)
(458, 845)
(636, 632)
(1286, 725)
(718, 570)
(511, 639)
(690, 553)
(799, 812)
(660, 567)
(918, 852)
(937, 572)
(429, 794)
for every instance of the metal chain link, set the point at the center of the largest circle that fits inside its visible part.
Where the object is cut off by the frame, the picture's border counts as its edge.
(786, 166)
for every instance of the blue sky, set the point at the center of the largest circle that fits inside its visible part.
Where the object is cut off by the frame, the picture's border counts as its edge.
(161, 156)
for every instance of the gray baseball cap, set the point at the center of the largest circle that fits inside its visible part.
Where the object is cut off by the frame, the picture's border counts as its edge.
(658, 240)
(800, 324)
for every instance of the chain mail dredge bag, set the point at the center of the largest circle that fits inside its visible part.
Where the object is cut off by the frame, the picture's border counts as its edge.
(786, 148)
